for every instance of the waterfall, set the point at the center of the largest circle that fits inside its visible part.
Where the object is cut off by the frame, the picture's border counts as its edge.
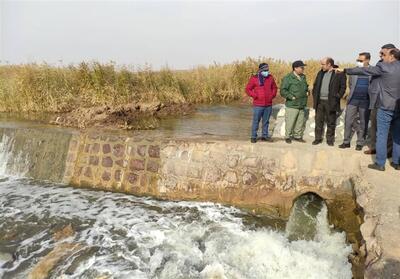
(33, 153)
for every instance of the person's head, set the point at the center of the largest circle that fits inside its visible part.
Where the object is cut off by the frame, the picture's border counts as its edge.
(327, 64)
(363, 59)
(385, 49)
(391, 56)
(396, 53)
(298, 67)
(263, 68)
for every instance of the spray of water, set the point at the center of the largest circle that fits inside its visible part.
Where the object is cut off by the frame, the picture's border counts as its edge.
(130, 237)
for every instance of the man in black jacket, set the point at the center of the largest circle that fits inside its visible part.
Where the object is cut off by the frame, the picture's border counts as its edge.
(329, 87)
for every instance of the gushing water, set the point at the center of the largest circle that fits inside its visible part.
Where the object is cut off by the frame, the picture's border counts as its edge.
(129, 237)
(121, 236)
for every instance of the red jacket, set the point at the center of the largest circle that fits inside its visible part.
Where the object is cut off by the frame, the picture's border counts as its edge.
(262, 95)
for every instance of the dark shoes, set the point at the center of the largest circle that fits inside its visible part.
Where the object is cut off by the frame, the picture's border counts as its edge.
(359, 147)
(395, 166)
(370, 152)
(288, 140)
(254, 140)
(299, 140)
(267, 139)
(330, 143)
(376, 167)
(315, 142)
(344, 145)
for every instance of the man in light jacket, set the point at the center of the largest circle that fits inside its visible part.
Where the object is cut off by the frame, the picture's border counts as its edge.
(373, 92)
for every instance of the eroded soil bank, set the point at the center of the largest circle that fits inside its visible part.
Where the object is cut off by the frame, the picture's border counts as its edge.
(142, 116)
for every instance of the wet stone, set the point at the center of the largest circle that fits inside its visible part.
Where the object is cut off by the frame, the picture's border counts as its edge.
(106, 176)
(132, 178)
(141, 150)
(94, 160)
(136, 165)
(118, 150)
(154, 151)
(152, 166)
(249, 179)
(95, 148)
(107, 162)
(120, 162)
(106, 148)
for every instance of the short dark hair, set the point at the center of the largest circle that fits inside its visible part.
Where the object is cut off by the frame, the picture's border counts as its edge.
(330, 61)
(396, 53)
(388, 46)
(367, 55)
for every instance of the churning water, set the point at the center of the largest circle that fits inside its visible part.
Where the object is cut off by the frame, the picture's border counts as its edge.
(129, 237)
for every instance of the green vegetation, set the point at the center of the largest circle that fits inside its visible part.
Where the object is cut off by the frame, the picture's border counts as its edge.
(45, 88)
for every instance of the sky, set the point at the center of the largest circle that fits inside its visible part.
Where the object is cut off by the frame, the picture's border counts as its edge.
(185, 34)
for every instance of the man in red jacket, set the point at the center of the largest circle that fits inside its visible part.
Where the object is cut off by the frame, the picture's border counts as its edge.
(262, 88)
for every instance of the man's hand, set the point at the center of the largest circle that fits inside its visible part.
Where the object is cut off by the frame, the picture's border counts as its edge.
(338, 70)
(245, 99)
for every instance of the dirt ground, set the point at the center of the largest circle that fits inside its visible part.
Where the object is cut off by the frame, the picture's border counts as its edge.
(128, 117)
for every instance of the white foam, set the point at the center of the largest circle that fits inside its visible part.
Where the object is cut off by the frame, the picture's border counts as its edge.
(145, 238)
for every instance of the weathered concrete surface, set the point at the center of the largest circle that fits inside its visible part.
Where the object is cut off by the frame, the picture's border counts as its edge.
(379, 195)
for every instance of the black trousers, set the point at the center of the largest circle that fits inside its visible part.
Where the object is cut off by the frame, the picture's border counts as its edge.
(323, 115)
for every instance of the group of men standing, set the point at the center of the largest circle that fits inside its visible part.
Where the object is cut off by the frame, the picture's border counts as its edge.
(374, 97)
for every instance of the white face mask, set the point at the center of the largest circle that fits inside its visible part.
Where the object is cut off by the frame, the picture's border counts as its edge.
(360, 64)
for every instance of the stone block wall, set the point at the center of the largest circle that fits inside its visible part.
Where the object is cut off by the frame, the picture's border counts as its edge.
(114, 163)
(261, 177)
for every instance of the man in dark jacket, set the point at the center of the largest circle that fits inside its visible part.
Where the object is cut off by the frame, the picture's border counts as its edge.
(388, 113)
(357, 106)
(262, 88)
(329, 87)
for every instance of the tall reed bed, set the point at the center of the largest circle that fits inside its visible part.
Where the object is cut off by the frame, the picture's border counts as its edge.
(45, 88)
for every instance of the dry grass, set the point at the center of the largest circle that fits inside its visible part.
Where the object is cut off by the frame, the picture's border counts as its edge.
(43, 88)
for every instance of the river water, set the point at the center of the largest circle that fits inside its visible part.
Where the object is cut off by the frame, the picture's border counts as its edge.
(130, 237)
